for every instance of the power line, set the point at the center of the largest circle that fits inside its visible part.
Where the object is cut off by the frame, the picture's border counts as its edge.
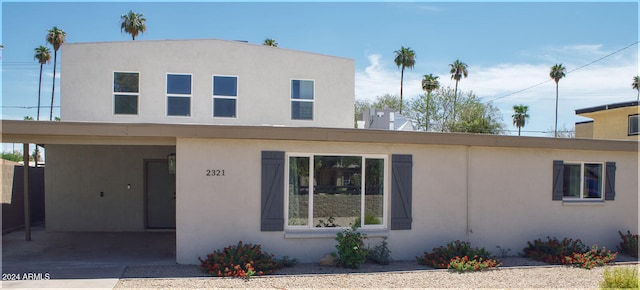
(27, 107)
(581, 67)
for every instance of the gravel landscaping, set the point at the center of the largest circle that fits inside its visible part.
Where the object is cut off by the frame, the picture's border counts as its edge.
(516, 273)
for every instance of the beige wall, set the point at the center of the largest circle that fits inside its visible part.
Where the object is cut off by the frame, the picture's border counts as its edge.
(264, 81)
(76, 174)
(612, 123)
(507, 190)
(584, 130)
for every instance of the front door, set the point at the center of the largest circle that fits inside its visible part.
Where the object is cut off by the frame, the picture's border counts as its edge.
(160, 195)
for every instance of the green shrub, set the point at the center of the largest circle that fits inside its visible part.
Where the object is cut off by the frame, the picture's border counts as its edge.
(380, 254)
(241, 260)
(568, 252)
(351, 251)
(629, 244)
(620, 278)
(460, 256)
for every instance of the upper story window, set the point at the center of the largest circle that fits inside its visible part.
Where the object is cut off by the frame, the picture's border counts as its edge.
(126, 92)
(583, 181)
(633, 124)
(302, 98)
(178, 95)
(225, 96)
(335, 191)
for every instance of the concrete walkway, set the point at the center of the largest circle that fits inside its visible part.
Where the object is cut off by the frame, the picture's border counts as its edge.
(80, 260)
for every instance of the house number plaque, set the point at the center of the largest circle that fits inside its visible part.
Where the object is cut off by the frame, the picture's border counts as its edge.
(215, 172)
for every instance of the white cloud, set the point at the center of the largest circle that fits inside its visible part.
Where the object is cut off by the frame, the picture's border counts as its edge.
(603, 82)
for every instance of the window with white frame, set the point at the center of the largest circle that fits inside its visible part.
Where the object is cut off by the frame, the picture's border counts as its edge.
(633, 124)
(302, 98)
(335, 191)
(225, 96)
(126, 92)
(178, 95)
(583, 180)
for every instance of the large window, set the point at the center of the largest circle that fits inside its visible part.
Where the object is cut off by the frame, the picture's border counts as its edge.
(583, 181)
(346, 190)
(302, 98)
(225, 95)
(178, 94)
(633, 124)
(126, 91)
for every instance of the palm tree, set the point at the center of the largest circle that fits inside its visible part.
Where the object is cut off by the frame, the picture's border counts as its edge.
(557, 72)
(429, 83)
(457, 71)
(636, 86)
(43, 55)
(270, 42)
(520, 116)
(405, 57)
(56, 37)
(133, 23)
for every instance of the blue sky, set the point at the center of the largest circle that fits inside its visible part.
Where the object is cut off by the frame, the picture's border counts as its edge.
(508, 46)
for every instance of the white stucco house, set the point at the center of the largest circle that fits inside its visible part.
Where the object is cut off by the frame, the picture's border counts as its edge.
(266, 152)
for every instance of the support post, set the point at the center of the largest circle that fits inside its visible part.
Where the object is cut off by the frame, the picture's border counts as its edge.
(27, 214)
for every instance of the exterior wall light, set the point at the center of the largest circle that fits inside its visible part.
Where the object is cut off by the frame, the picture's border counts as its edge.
(171, 160)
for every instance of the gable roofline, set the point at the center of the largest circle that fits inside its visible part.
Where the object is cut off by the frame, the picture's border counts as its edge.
(606, 107)
(43, 132)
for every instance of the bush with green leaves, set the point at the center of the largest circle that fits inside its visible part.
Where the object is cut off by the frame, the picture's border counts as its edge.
(380, 254)
(351, 250)
(620, 278)
(241, 260)
(568, 252)
(459, 256)
(629, 244)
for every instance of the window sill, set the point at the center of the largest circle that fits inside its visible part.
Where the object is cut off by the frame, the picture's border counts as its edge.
(330, 233)
(582, 202)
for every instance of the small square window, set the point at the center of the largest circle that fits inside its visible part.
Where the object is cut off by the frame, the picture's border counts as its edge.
(125, 82)
(301, 110)
(302, 99)
(302, 90)
(224, 107)
(583, 180)
(633, 125)
(225, 86)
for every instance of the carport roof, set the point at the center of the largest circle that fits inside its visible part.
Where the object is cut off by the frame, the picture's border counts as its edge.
(42, 132)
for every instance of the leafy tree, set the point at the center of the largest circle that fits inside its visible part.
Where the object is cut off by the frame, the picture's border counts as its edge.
(43, 55)
(520, 116)
(28, 118)
(429, 83)
(474, 116)
(387, 101)
(133, 23)
(405, 58)
(636, 86)
(557, 72)
(457, 70)
(270, 42)
(56, 37)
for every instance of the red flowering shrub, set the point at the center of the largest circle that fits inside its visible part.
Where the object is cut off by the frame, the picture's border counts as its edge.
(242, 260)
(568, 252)
(455, 255)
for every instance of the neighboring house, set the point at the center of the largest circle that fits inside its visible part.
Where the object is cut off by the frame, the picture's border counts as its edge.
(384, 119)
(204, 82)
(617, 121)
(285, 185)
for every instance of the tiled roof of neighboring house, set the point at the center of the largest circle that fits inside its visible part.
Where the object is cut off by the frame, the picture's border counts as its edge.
(606, 107)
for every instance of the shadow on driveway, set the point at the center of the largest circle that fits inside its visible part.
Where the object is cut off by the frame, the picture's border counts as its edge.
(82, 255)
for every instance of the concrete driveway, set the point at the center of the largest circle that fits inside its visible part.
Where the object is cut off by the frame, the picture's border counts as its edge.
(80, 260)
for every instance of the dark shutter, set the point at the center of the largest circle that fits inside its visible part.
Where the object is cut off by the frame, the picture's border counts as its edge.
(401, 187)
(558, 179)
(610, 182)
(272, 197)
